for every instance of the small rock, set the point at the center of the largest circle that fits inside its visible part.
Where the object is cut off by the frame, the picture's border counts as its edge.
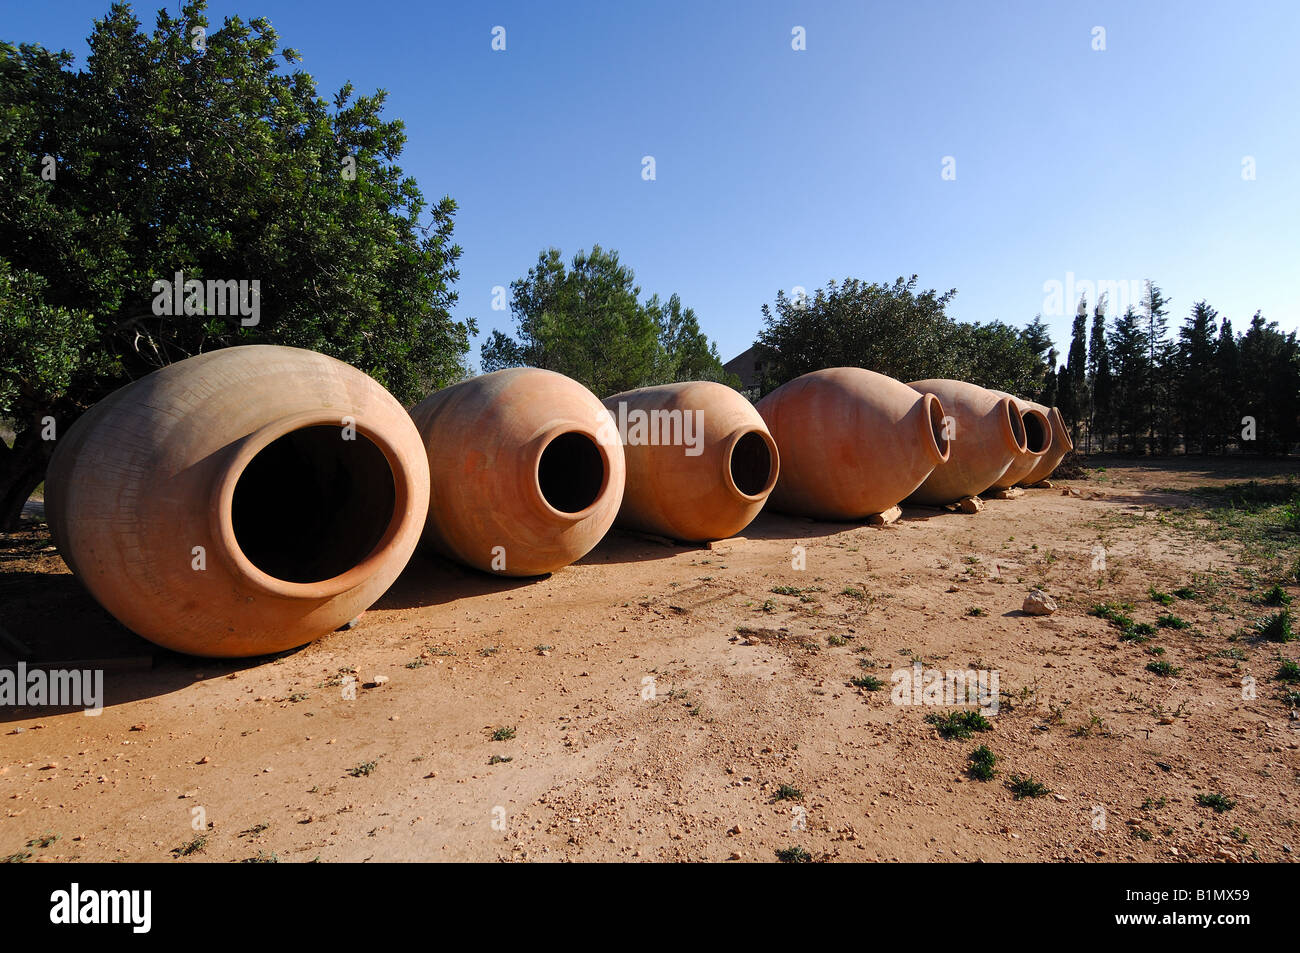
(376, 682)
(1038, 603)
(891, 515)
(970, 504)
(736, 855)
(1014, 493)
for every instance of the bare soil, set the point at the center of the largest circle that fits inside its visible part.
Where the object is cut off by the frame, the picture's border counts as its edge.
(655, 702)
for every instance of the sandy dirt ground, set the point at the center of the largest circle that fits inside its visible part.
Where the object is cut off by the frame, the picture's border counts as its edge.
(660, 702)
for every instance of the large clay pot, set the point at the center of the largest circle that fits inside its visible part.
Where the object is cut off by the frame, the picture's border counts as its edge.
(526, 471)
(852, 442)
(241, 502)
(700, 461)
(1038, 440)
(1061, 445)
(986, 435)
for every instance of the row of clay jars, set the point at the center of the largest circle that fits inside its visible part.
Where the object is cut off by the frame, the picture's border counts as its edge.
(528, 470)
(250, 500)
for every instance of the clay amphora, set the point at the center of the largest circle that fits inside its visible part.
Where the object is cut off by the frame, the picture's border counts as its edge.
(1038, 440)
(852, 442)
(242, 502)
(1061, 445)
(700, 461)
(985, 436)
(526, 471)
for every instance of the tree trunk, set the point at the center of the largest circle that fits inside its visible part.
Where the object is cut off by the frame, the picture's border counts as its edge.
(22, 468)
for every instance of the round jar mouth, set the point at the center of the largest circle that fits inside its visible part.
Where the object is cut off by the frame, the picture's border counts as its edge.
(1013, 428)
(310, 505)
(570, 472)
(751, 464)
(1038, 432)
(934, 426)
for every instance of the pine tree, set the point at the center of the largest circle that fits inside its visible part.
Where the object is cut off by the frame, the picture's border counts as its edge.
(1159, 369)
(1228, 404)
(1130, 370)
(1038, 338)
(1100, 384)
(1197, 378)
(1074, 387)
(1270, 383)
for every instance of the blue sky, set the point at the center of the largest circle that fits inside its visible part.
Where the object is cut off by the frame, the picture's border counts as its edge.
(778, 168)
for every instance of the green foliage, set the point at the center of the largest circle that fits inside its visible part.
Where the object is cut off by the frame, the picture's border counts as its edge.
(982, 763)
(794, 855)
(225, 164)
(959, 724)
(586, 320)
(1277, 627)
(894, 330)
(1026, 786)
(1219, 802)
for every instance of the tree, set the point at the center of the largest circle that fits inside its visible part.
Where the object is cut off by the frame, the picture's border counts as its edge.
(1270, 383)
(1073, 387)
(995, 355)
(1100, 386)
(891, 329)
(1038, 338)
(1198, 391)
(168, 155)
(1227, 413)
(1158, 383)
(1130, 372)
(586, 320)
(687, 354)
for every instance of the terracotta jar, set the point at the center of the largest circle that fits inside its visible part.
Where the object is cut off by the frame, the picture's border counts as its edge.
(526, 471)
(852, 442)
(985, 436)
(1061, 445)
(242, 502)
(700, 461)
(1038, 440)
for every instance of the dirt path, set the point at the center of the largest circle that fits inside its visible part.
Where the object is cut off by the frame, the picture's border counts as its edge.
(666, 703)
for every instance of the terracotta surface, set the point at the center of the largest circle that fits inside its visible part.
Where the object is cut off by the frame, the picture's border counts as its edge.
(986, 437)
(1038, 440)
(526, 472)
(243, 452)
(1061, 445)
(852, 442)
(700, 461)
